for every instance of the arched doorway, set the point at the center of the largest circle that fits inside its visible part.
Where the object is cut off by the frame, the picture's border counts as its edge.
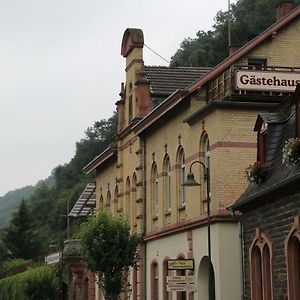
(205, 270)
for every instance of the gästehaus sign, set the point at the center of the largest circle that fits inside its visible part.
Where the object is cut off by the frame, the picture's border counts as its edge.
(255, 80)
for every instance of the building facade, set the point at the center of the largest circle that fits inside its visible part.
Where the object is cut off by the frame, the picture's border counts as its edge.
(271, 209)
(167, 119)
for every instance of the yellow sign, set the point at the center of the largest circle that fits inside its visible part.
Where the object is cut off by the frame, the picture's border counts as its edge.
(181, 264)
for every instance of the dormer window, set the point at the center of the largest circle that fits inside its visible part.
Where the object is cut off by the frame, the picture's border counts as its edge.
(262, 139)
(257, 63)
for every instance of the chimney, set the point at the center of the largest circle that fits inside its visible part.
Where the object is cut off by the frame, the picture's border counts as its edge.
(284, 8)
(233, 49)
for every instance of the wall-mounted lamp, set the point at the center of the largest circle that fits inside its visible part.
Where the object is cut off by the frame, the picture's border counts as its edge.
(190, 182)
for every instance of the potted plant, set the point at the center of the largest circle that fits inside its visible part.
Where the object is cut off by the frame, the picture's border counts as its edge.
(291, 151)
(256, 172)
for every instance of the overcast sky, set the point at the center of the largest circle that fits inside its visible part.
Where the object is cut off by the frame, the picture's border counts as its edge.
(61, 70)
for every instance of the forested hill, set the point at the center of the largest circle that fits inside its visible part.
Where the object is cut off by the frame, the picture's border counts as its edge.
(11, 200)
(248, 18)
(40, 220)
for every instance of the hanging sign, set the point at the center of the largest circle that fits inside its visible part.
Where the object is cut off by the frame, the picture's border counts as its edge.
(257, 80)
(181, 264)
(180, 283)
(53, 258)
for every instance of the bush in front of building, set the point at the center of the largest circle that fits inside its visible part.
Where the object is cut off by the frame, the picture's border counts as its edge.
(109, 250)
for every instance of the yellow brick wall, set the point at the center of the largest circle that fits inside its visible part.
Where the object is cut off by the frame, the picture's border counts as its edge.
(106, 181)
(133, 67)
(282, 50)
(227, 164)
(129, 166)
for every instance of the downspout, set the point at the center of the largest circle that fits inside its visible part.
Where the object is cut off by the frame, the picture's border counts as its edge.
(241, 236)
(143, 165)
(242, 256)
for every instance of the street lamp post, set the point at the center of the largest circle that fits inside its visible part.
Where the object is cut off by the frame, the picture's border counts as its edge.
(190, 181)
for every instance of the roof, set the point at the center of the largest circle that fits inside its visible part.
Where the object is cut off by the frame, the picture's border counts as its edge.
(226, 63)
(166, 80)
(86, 203)
(281, 127)
(101, 158)
(206, 76)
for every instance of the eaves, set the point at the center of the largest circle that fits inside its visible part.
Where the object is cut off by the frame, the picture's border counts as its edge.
(105, 156)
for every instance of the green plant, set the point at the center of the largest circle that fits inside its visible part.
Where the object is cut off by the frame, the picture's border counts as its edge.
(109, 250)
(291, 151)
(15, 263)
(33, 284)
(256, 172)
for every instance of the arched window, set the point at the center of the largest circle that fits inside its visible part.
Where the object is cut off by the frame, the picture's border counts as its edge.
(167, 184)
(101, 202)
(261, 268)
(154, 281)
(262, 141)
(130, 109)
(292, 252)
(181, 175)
(128, 202)
(206, 158)
(134, 204)
(116, 202)
(166, 295)
(154, 189)
(108, 199)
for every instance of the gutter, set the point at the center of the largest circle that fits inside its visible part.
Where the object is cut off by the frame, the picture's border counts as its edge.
(213, 105)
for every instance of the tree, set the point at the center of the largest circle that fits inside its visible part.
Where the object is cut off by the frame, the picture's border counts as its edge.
(247, 18)
(109, 250)
(20, 237)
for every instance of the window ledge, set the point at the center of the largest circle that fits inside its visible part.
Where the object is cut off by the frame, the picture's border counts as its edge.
(167, 213)
(154, 218)
(181, 207)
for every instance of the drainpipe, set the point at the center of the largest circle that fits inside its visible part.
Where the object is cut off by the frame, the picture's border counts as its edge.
(241, 236)
(242, 257)
(143, 164)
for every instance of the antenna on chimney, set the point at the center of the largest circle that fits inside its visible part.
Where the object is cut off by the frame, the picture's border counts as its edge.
(229, 29)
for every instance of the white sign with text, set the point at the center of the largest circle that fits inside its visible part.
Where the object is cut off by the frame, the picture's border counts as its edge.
(266, 80)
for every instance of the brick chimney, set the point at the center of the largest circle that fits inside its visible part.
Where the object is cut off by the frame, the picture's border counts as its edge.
(135, 95)
(284, 8)
(233, 49)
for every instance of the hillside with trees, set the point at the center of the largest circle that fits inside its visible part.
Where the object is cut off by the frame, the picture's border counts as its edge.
(247, 19)
(40, 220)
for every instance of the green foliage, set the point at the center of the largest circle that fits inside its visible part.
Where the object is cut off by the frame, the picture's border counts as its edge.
(14, 263)
(34, 284)
(247, 18)
(20, 236)
(43, 221)
(10, 202)
(109, 250)
(4, 253)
